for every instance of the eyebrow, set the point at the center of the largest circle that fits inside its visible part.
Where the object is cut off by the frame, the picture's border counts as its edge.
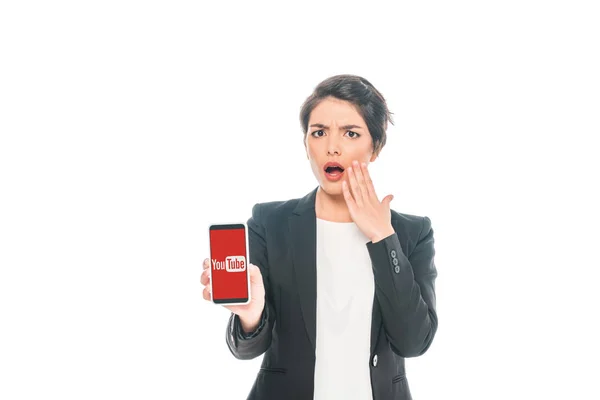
(341, 127)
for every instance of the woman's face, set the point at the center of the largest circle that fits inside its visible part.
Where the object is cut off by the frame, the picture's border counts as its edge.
(336, 134)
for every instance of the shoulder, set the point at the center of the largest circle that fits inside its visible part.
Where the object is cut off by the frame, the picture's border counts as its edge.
(274, 210)
(411, 226)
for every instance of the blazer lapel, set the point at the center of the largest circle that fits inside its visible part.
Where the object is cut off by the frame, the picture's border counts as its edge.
(375, 323)
(303, 233)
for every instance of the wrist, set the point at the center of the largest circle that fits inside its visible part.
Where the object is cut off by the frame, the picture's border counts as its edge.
(383, 234)
(250, 323)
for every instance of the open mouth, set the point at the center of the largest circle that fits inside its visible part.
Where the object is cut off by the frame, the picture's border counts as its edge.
(334, 170)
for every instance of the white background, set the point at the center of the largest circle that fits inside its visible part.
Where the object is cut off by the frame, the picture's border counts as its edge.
(128, 127)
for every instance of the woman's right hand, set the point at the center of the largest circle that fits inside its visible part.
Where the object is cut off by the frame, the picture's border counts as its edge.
(249, 313)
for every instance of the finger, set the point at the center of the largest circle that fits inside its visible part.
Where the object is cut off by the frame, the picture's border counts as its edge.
(255, 275)
(206, 263)
(361, 182)
(369, 183)
(204, 277)
(354, 186)
(206, 294)
(348, 197)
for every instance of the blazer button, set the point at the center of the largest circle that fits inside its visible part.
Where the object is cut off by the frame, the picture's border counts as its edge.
(393, 253)
(395, 261)
(375, 360)
(397, 269)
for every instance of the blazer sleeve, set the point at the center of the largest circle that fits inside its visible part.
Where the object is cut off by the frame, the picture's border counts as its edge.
(405, 291)
(248, 346)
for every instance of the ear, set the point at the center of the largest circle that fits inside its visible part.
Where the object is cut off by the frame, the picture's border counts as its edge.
(374, 157)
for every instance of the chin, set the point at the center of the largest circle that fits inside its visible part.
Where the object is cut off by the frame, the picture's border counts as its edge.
(332, 188)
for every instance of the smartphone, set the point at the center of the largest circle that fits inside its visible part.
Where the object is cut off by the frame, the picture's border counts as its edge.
(229, 275)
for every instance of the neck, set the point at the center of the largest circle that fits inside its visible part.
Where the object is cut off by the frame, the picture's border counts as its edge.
(331, 207)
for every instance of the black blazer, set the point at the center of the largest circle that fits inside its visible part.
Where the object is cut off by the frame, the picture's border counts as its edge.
(282, 241)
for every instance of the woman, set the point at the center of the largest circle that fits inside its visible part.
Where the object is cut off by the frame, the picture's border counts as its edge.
(342, 286)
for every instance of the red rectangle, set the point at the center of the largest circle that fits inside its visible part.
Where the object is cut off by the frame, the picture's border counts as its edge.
(229, 263)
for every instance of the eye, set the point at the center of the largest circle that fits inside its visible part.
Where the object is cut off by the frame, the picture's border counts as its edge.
(317, 132)
(357, 134)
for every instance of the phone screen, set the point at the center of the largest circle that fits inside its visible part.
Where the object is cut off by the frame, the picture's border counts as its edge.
(229, 263)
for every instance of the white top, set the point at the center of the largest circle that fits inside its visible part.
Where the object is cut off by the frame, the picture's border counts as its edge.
(345, 293)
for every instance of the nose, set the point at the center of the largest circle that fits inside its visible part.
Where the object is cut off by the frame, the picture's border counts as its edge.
(332, 146)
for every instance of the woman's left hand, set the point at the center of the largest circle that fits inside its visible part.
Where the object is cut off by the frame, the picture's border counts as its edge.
(371, 216)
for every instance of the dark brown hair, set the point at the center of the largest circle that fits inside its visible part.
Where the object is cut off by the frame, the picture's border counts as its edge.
(369, 103)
